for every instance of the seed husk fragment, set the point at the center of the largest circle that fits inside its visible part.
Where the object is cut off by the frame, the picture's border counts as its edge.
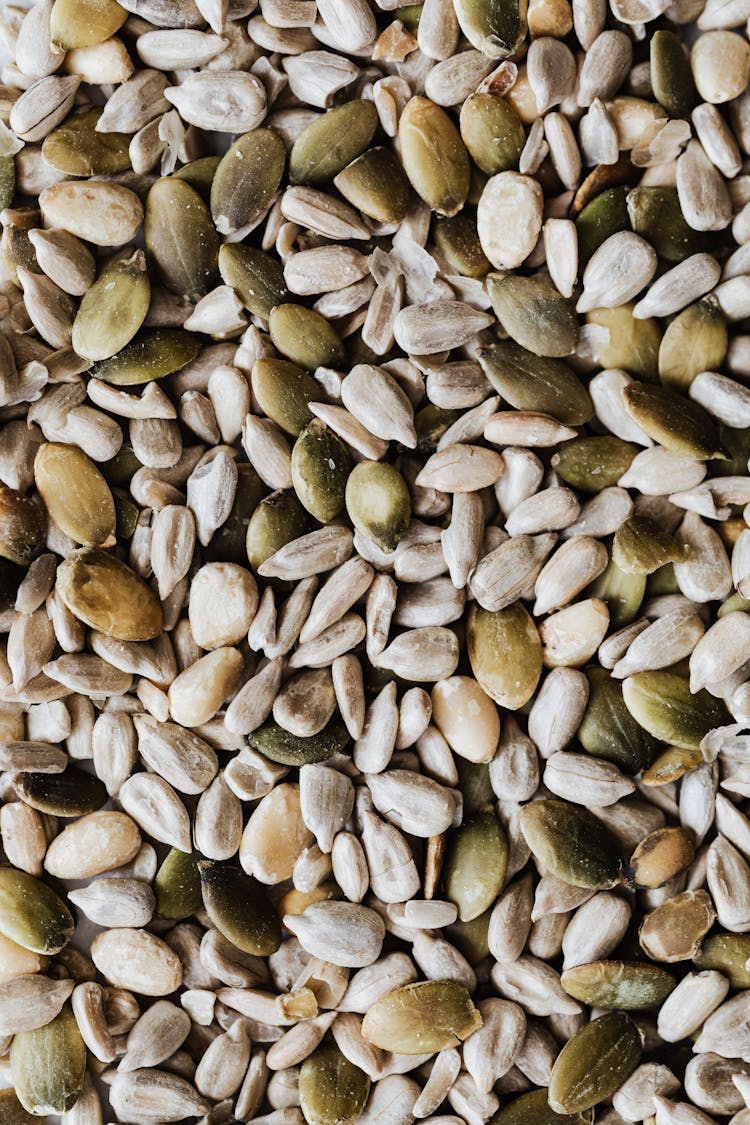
(246, 179)
(572, 843)
(375, 183)
(633, 343)
(31, 914)
(48, 1065)
(664, 706)
(76, 148)
(23, 527)
(603, 216)
(293, 750)
(534, 314)
(11, 1110)
(505, 653)
(423, 1017)
(661, 856)
(594, 1063)
(476, 861)
(113, 309)
(331, 142)
(237, 905)
(378, 503)
(333, 1091)
(434, 156)
(673, 420)
(107, 595)
(180, 238)
(728, 954)
(154, 353)
(529, 382)
(627, 985)
(75, 494)
(256, 277)
(321, 464)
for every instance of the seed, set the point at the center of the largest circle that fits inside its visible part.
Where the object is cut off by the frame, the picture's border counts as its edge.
(331, 142)
(656, 215)
(671, 78)
(661, 856)
(136, 1092)
(673, 421)
(333, 1091)
(31, 914)
(428, 1016)
(304, 337)
(496, 29)
(23, 528)
(75, 494)
(177, 885)
(246, 180)
(626, 985)
(663, 704)
(107, 595)
(675, 930)
(237, 905)
(320, 467)
(475, 865)
(77, 149)
(12, 1110)
(113, 309)
(505, 653)
(529, 382)
(592, 464)
(375, 184)
(594, 1063)
(572, 843)
(704, 328)
(84, 23)
(727, 954)
(378, 503)
(180, 238)
(609, 731)
(640, 546)
(492, 132)
(277, 520)
(154, 353)
(256, 277)
(98, 212)
(509, 218)
(434, 156)
(534, 314)
(532, 1109)
(466, 717)
(48, 1065)
(343, 933)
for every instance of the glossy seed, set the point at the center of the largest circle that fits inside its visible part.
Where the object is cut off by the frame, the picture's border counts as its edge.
(256, 277)
(154, 353)
(673, 421)
(305, 337)
(572, 843)
(77, 149)
(113, 309)
(376, 184)
(434, 156)
(331, 142)
(293, 750)
(529, 382)
(180, 238)
(661, 856)
(237, 905)
(177, 885)
(321, 464)
(332, 1089)
(534, 314)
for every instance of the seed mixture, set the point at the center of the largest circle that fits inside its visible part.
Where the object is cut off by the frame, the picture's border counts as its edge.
(375, 562)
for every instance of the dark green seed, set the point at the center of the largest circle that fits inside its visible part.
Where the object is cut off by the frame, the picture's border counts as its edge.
(239, 907)
(476, 861)
(177, 885)
(594, 1063)
(294, 750)
(609, 731)
(594, 463)
(572, 843)
(71, 793)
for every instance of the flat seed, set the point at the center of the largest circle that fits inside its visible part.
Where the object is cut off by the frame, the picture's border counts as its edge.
(661, 856)
(505, 653)
(331, 142)
(113, 309)
(84, 23)
(496, 29)
(530, 382)
(625, 985)
(320, 467)
(107, 595)
(675, 929)
(378, 503)
(256, 277)
(77, 149)
(532, 1109)
(375, 183)
(427, 1016)
(475, 864)
(572, 844)
(154, 353)
(238, 907)
(534, 314)
(48, 1065)
(333, 1091)
(594, 1063)
(673, 421)
(662, 704)
(304, 337)
(609, 731)
(31, 914)
(180, 237)
(246, 180)
(434, 156)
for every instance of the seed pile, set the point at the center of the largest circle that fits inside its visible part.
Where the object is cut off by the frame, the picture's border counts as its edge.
(375, 562)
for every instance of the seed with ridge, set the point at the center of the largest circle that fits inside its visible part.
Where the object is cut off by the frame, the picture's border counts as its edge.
(428, 1016)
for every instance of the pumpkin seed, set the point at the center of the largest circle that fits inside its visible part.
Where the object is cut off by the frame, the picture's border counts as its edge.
(48, 1065)
(534, 314)
(177, 885)
(627, 985)
(71, 793)
(23, 527)
(154, 353)
(673, 420)
(256, 277)
(332, 1090)
(375, 183)
(594, 463)
(505, 653)
(305, 337)
(295, 750)
(31, 914)
(695, 341)
(114, 308)
(180, 238)
(331, 142)
(420, 1018)
(541, 384)
(107, 595)
(641, 546)
(277, 520)
(609, 731)
(246, 180)
(492, 132)
(433, 155)
(594, 1063)
(572, 844)
(378, 503)
(237, 905)
(76, 148)
(84, 23)
(321, 464)
(476, 861)
(663, 705)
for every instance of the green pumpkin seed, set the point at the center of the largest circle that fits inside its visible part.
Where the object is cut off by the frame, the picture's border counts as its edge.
(376, 184)
(671, 76)
(7, 181)
(494, 27)
(295, 750)
(534, 1109)
(332, 141)
(537, 383)
(283, 391)
(305, 337)
(71, 793)
(661, 856)
(420, 1018)
(431, 422)
(126, 516)
(594, 1063)
(107, 595)
(239, 907)
(23, 527)
(656, 215)
(76, 148)
(84, 23)
(277, 520)
(75, 494)
(622, 592)
(434, 157)
(628, 985)
(154, 353)
(378, 503)
(663, 581)
(591, 464)
(200, 174)
(177, 885)
(696, 340)
(180, 238)
(476, 861)
(228, 543)
(673, 420)
(609, 731)
(675, 930)
(11, 1110)
(471, 938)
(534, 314)
(664, 706)
(728, 954)
(492, 132)
(633, 344)
(114, 308)
(475, 784)
(31, 914)
(572, 843)
(321, 464)
(256, 277)
(505, 653)
(48, 1065)
(641, 546)
(246, 180)
(458, 241)
(332, 1090)
(603, 216)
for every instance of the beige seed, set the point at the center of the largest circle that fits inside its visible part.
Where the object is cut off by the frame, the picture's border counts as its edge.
(96, 843)
(137, 960)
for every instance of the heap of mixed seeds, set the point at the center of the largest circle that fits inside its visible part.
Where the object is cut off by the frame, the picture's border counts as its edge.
(375, 577)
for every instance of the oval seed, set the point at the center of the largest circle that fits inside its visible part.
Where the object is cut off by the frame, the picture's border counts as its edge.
(424, 1017)
(246, 180)
(434, 156)
(332, 1090)
(48, 1065)
(378, 503)
(238, 907)
(476, 861)
(107, 595)
(75, 494)
(627, 985)
(113, 309)
(594, 1063)
(180, 238)
(31, 914)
